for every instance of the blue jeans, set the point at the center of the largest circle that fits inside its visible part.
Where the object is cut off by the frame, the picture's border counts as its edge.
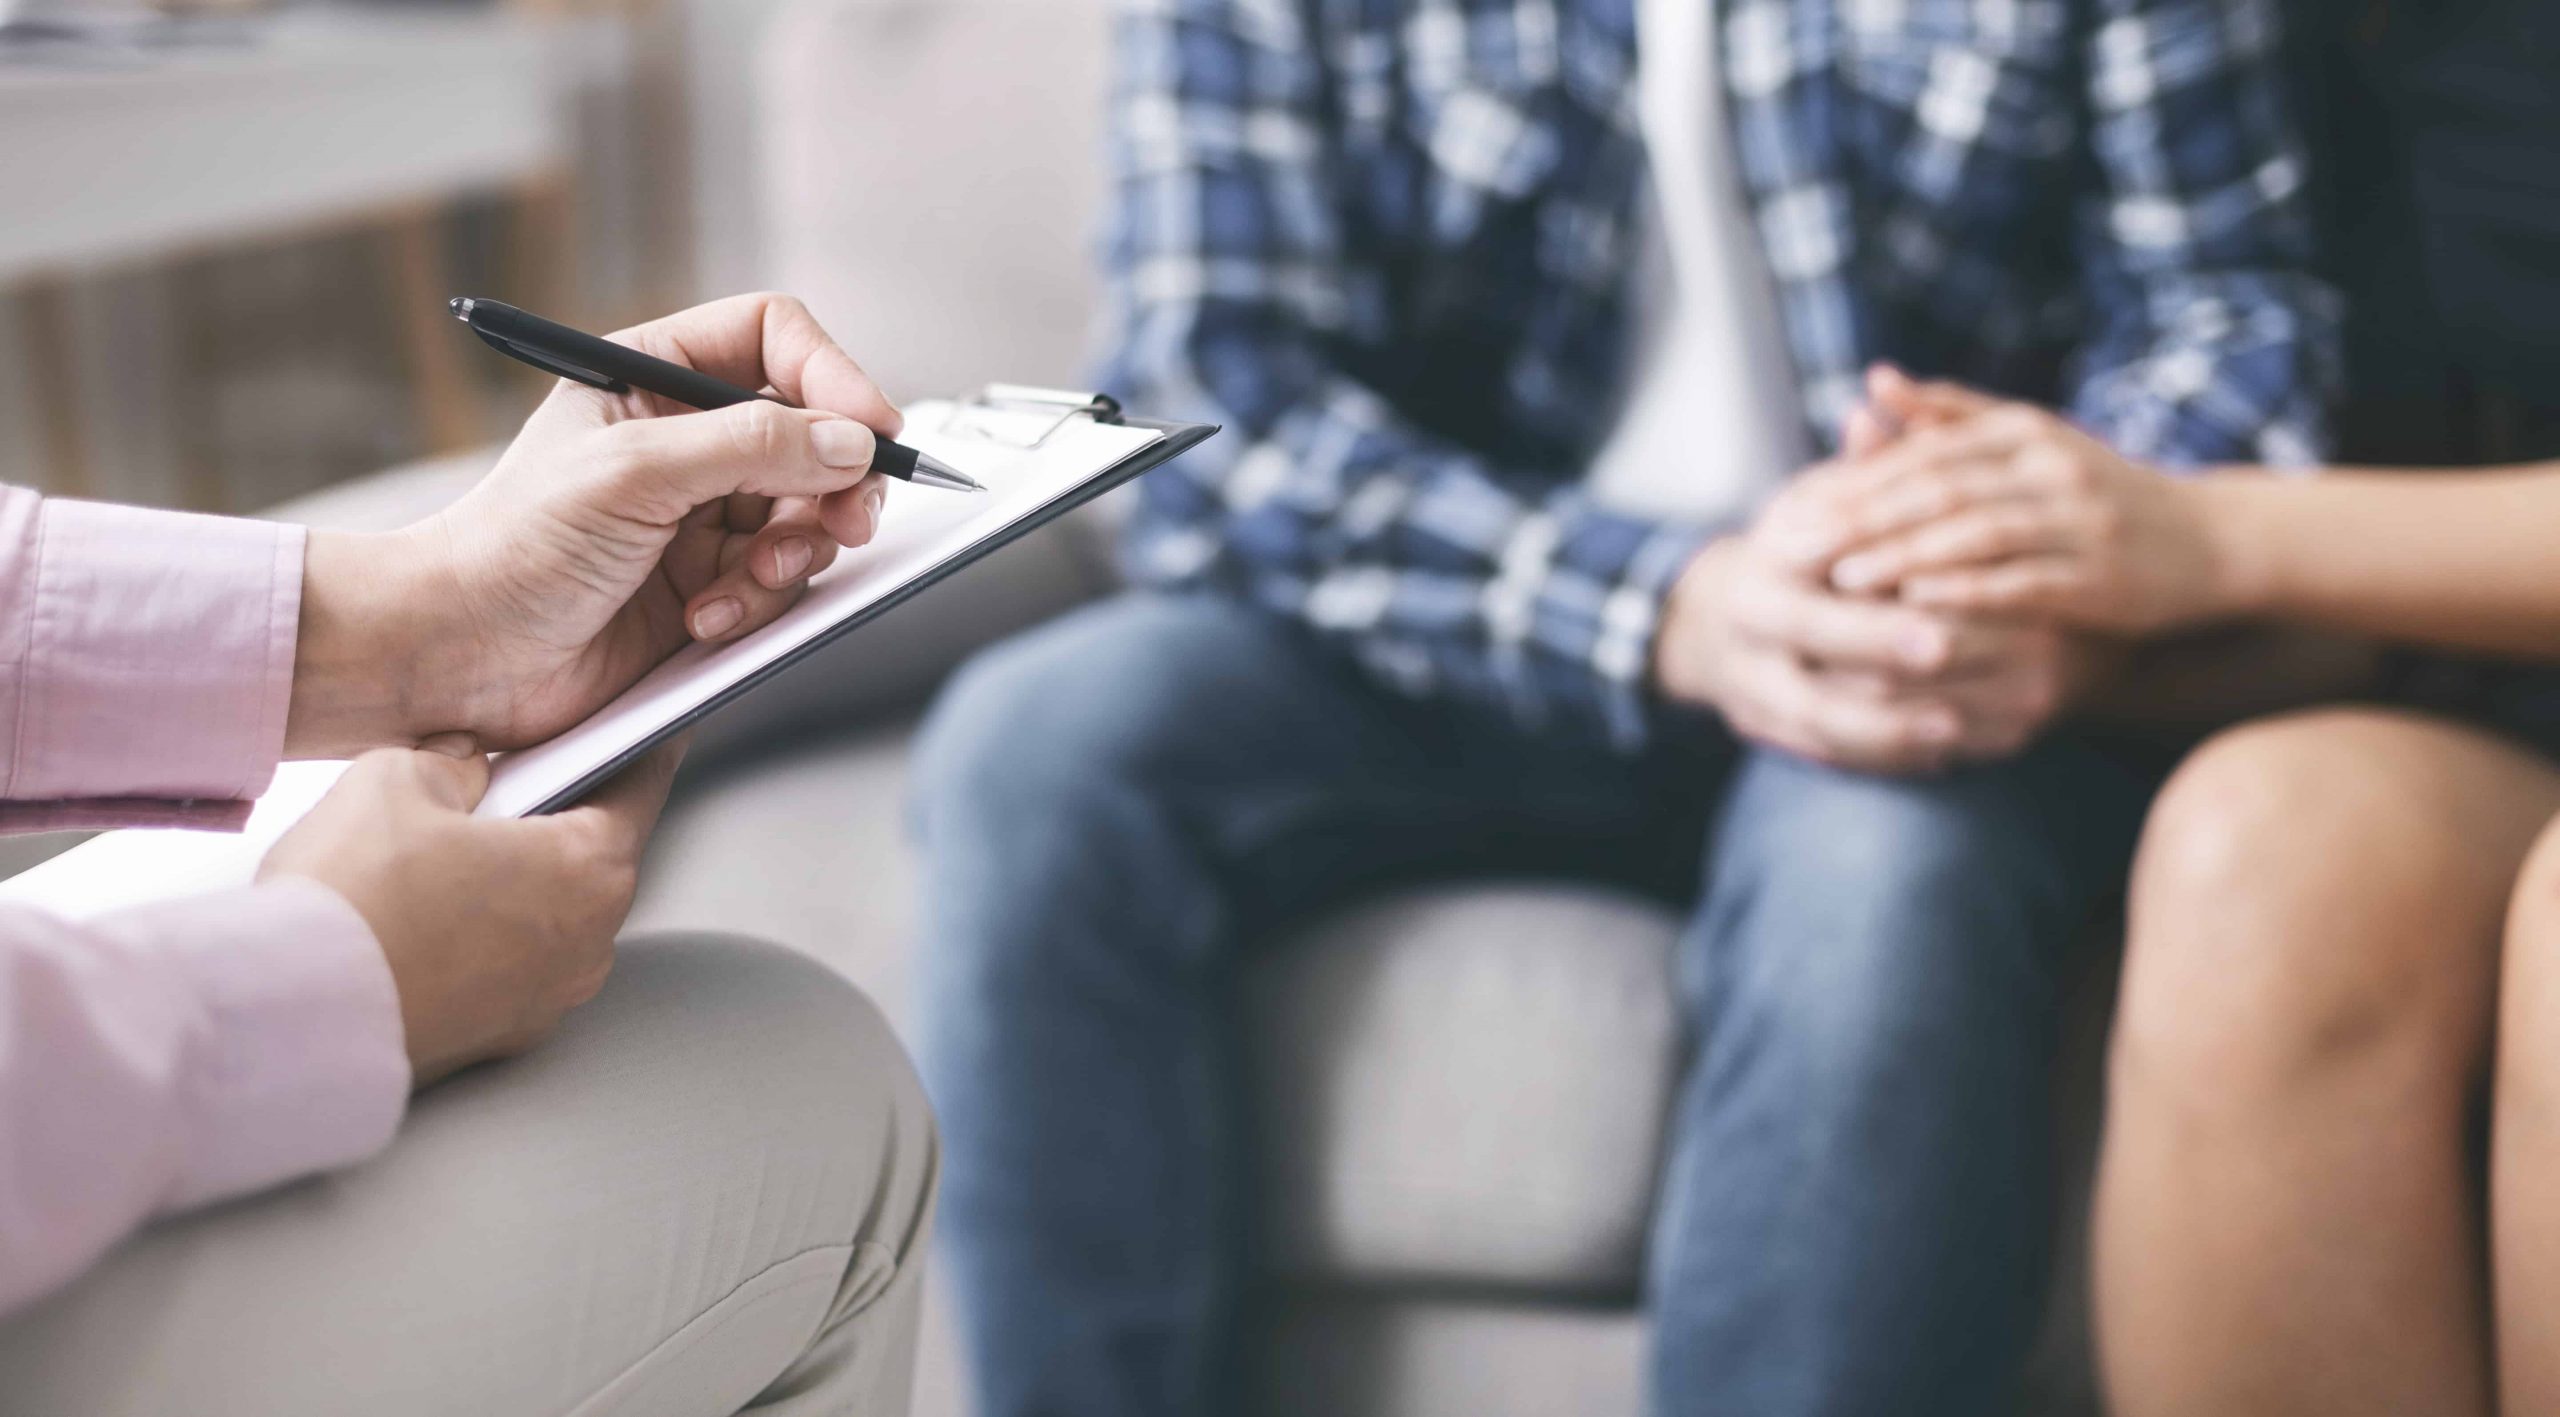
(1116, 806)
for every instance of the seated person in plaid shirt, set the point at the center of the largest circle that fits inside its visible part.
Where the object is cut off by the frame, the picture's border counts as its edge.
(1518, 344)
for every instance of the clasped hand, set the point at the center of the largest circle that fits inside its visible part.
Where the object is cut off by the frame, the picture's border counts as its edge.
(616, 530)
(1986, 507)
(1967, 572)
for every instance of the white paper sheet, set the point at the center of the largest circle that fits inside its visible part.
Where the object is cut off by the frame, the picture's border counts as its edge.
(144, 866)
(920, 527)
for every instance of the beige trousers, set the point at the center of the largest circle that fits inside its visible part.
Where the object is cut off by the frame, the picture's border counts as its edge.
(708, 1194)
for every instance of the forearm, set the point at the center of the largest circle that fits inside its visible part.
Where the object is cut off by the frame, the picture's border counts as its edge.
(173, 1055)
(2448, 560)
(1550, 617)
(1437, 568)
(149, 653)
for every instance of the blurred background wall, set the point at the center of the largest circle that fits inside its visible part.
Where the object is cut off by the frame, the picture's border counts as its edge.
(226, 229)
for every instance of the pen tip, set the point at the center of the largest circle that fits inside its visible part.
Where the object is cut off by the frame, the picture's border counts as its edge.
(460, 305)
(934, 472)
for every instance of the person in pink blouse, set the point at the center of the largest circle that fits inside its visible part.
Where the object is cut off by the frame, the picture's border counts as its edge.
(707, 1194)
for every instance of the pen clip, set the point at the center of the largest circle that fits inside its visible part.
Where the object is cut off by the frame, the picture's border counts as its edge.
(540, 360)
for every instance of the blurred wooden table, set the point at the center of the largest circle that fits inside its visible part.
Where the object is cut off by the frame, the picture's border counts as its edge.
(323, 121)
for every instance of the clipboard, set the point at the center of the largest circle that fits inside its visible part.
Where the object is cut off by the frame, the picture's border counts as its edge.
(122, 869)
(992, 435)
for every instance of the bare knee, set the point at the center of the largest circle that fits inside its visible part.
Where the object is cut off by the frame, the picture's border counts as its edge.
(2529, 1033)
(2533, 933)
(2313, 889)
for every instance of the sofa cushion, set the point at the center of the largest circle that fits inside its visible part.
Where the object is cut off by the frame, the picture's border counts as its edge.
(1466, 1085)
(1350, 1354)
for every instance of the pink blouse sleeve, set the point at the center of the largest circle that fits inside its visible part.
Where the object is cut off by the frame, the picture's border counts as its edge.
(179, 1054)
(174, 1054)
(146, 662)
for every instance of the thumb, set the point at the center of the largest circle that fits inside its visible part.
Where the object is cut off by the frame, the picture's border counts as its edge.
(457, 783)
(661, 468)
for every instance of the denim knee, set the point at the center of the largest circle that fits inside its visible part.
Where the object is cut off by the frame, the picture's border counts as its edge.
(1034, 724)
(1876, 916)
(1059, 780)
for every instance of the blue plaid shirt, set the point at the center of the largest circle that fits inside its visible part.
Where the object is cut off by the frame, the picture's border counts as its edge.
(1387, 242)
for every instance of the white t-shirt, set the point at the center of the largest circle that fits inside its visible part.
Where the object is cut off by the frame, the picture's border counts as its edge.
(1713, 419)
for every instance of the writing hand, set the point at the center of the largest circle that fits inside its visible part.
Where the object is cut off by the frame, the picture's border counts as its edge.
(615, 530)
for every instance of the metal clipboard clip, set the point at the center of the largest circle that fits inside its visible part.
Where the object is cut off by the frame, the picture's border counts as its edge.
(1023, 415)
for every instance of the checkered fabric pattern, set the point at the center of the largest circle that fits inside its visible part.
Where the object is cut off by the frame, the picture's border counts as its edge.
(1387, 242)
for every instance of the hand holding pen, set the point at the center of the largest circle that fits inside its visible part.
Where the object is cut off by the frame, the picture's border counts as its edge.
(616, 369)
(613, 533)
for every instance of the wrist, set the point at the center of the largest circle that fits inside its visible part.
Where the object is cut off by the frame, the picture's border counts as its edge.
(1684, 646)
(2231, 509)
(358, 680)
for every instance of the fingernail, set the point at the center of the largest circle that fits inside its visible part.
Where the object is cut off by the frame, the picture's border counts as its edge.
(717, 619)
(1923, 647)
(1940, 728)
(873, 500)
(791, 557)
(841, 442)
(1854, 573)
(451, 745)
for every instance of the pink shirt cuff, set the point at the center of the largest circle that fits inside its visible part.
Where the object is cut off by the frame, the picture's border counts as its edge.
(153, 656)
(302, 1065)
(103, 814)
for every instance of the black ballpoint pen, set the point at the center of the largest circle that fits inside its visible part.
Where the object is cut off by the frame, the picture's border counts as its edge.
(602, 364)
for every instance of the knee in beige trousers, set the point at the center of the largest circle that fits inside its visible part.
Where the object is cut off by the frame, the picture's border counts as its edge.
(708, 1194)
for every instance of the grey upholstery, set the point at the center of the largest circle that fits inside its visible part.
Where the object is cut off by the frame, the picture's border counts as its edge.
(1369, 1353)
(1490, 1051)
